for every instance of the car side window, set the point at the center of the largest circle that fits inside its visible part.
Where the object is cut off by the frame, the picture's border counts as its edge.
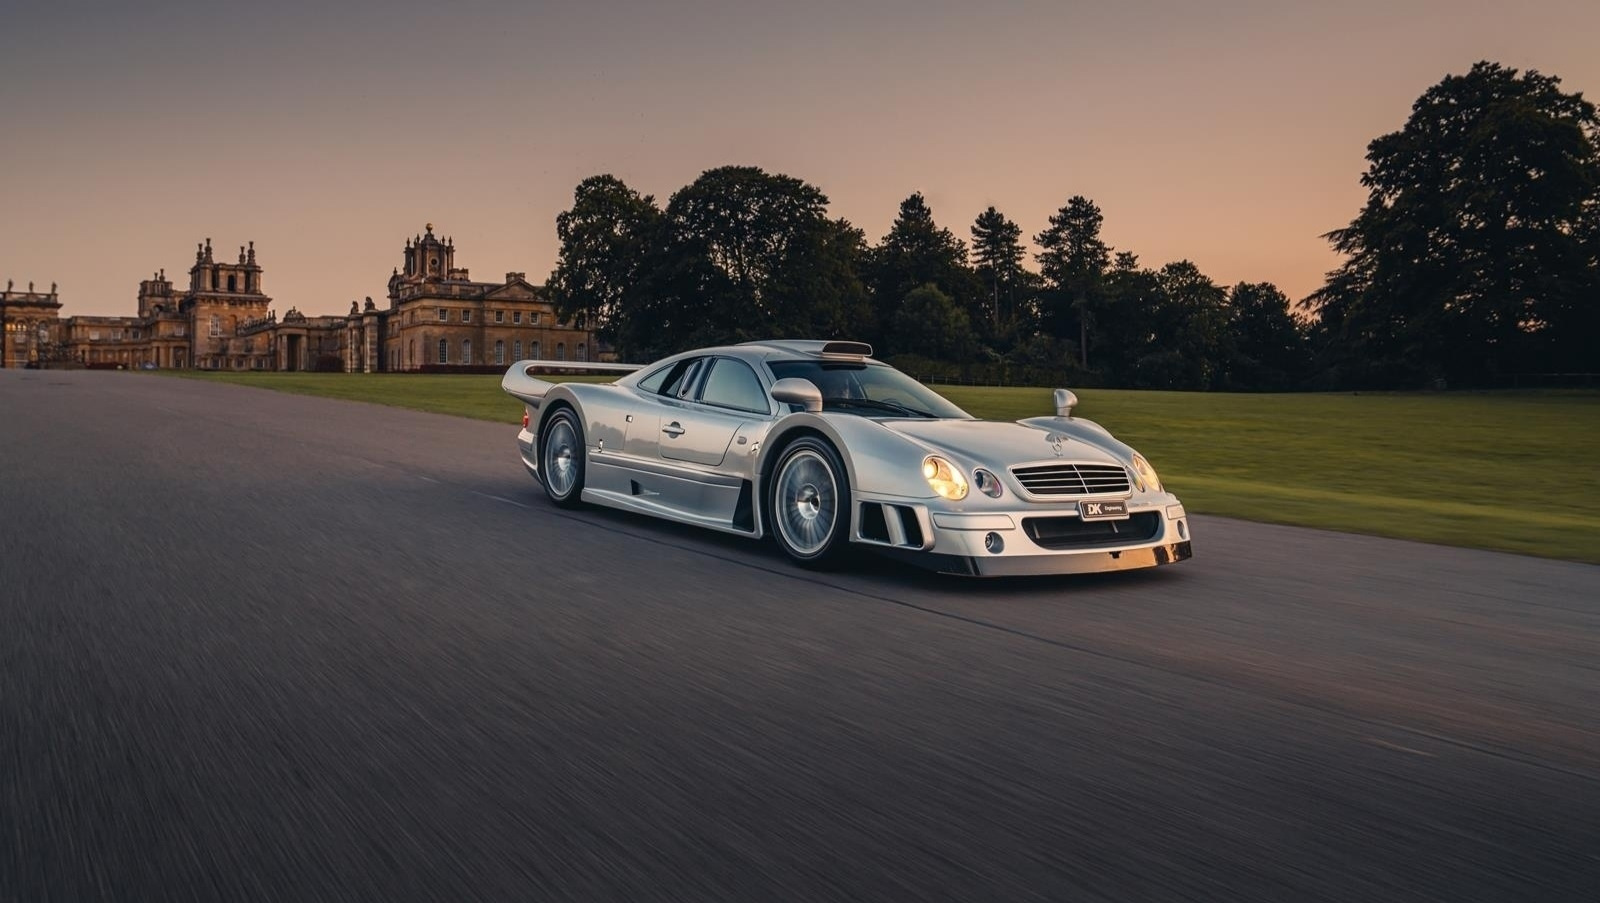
(651, 385)
(732, 384)
(680, 382)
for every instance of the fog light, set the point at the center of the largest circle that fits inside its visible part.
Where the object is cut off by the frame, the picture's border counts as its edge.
(1183, 532)
(994, 543)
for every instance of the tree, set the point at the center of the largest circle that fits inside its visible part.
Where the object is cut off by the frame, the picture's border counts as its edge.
(747, 255)
(1073, 261)
(931, 324)
(914, 253)
(1269, 343)
(1469, 256)
(998, 252)
(606, 245)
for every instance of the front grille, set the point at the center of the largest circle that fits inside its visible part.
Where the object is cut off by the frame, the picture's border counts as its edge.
(1072, 479)
(1056, 533)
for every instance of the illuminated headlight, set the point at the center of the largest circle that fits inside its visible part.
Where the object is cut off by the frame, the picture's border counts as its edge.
(945, 479)
(987, 483)
(1144, 476)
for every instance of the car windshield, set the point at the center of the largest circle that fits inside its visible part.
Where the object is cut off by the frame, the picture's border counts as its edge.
(872, 390)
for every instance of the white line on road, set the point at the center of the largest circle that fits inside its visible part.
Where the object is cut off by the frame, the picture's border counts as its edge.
(498, 498)
(1398, 748)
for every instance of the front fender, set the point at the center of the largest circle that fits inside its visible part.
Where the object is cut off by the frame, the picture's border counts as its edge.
(875, 459)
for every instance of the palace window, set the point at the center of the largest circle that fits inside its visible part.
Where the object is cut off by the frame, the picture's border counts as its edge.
(533, 350)
(499, 316)
(534, 318)
(444, 314)
(136, 333)
(466, 351)
(466, 316)
(583, 352)
(116, 335)
(516, 349)
(516, 317)
(444, 351)
(216, 325)
(94, 335)
(561, 351)
(500, 351)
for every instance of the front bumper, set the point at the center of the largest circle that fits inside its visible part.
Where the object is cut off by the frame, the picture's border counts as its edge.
(1030, 539)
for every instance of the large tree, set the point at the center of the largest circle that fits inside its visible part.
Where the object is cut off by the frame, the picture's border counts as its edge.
(916, 252)
(998, 253)
(1073, 262)
(1469, 257)
(1269, 343)
(607, 242)
(749, 254)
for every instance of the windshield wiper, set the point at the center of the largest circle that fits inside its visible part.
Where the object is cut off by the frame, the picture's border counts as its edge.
(872, 404)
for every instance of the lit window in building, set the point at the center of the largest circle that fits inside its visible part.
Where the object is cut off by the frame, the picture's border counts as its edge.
(444, 351)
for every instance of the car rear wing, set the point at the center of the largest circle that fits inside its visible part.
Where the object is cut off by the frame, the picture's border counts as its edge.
(520, 383)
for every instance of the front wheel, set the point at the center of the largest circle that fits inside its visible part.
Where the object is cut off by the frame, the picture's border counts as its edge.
(561, 459)
(809, 503)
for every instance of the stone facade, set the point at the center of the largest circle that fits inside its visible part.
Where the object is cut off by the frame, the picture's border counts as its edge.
(30, 326)
(437, 319)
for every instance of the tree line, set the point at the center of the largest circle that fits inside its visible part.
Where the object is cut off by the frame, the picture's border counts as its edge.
(1477, 253)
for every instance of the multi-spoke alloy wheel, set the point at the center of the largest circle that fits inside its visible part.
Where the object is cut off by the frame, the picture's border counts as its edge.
(561, 464)
(809, 501)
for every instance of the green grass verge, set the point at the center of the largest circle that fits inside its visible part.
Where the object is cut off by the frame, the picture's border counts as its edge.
(1514, 471)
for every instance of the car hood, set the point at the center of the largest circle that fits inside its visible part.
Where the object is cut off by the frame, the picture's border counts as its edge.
(992, 444)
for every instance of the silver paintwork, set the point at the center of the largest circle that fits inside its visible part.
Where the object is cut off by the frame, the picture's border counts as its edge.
(674, 457)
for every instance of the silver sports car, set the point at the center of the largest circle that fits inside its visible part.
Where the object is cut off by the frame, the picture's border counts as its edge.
(824, 448)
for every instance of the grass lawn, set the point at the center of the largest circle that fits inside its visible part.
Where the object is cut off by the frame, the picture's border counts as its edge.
(1515, 471)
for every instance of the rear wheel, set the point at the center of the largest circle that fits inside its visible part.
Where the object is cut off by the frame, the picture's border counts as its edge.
(561, 458)
(809, 503)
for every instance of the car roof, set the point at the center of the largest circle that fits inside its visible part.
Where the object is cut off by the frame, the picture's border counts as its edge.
(755, 352)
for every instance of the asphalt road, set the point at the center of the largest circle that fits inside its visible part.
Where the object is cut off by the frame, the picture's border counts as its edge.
(255, 646)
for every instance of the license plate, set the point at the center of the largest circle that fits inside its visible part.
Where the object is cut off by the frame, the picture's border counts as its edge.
(1116, 509)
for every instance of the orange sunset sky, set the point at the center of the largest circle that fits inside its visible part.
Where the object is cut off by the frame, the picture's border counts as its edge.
(1231, 134)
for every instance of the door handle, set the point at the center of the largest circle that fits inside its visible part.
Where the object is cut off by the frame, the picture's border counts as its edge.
(673, 429)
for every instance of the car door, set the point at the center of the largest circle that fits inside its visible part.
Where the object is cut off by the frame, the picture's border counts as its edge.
(699, 427)
(699, 433)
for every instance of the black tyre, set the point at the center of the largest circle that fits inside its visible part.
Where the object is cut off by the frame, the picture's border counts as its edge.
(561, 458)
(808, 503)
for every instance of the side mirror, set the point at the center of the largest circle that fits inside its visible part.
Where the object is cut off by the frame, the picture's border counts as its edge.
(1065, 402)
(794, 390)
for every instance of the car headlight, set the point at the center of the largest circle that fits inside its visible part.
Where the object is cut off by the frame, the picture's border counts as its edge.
(1144, 475)
(944, 478)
